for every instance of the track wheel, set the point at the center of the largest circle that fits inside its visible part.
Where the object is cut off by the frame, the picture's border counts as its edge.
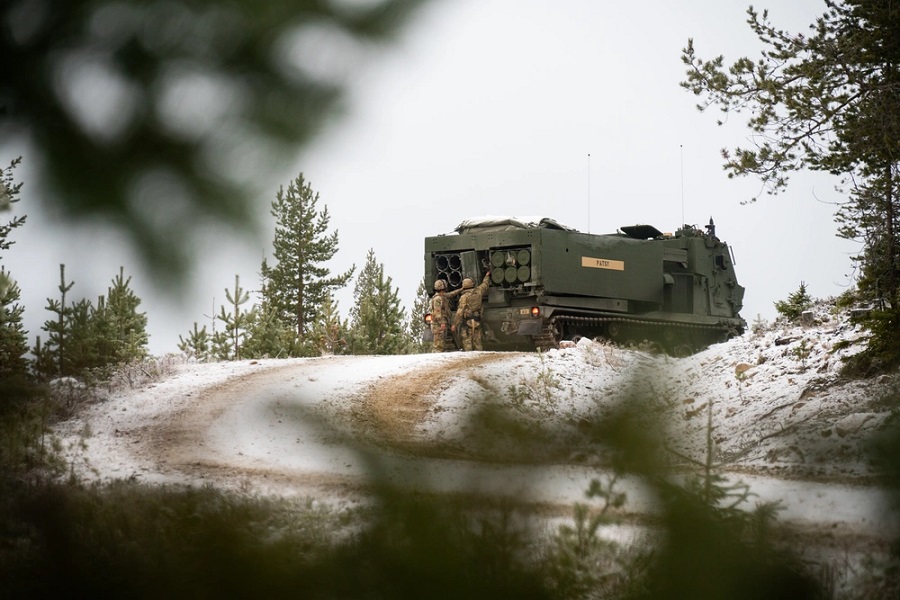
(614, 330)
(682, 350)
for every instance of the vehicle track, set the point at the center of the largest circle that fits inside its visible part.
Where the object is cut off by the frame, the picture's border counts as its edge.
(206, 439)
(391, 409)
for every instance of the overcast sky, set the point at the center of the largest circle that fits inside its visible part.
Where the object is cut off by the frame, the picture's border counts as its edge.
(493, 107)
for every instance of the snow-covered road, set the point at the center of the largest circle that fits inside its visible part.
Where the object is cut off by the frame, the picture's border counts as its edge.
(324, 426)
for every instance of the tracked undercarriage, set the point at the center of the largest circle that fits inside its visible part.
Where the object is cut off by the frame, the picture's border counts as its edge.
(678, 339)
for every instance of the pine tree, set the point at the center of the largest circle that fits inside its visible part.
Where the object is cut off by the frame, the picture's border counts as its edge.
(222, 348)
(13, 337)
(389, 312)
(236, 320)
(45, 364)
(9, 195)
(299, 283)
(415, 325)
(81, 340)
(218, 341)
(84, 336)
(796, 303)
(267, 335)
(127, 326)
(364, 288)
(362, 313)
(828, 101)
(198, 344)
(104, 333)
(52, 356)
(377, 317)
(329, 332)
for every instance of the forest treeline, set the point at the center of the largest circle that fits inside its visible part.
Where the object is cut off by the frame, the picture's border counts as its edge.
(825, 100)
(294, 313)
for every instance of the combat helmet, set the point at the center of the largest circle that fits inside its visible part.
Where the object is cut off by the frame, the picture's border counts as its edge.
(468, 283)
(440, 284)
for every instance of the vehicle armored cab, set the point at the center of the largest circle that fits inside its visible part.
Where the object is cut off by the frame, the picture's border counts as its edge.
(550, 283)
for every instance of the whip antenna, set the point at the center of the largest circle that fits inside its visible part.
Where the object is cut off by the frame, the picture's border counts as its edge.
(681, 148)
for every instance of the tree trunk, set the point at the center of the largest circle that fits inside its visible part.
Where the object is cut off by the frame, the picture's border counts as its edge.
(892, 254)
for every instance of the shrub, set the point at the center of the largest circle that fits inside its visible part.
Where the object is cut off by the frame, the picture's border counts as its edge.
(795, 304)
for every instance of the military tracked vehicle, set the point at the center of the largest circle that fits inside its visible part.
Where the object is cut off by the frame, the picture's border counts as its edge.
(550, 283)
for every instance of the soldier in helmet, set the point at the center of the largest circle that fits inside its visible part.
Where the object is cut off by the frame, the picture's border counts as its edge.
(468, 313)
(440, 313)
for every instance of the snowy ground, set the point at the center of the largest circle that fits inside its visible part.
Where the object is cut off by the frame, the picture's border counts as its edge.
(506, 423)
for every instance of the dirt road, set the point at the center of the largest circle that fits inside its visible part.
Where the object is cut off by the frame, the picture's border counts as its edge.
(330, 427)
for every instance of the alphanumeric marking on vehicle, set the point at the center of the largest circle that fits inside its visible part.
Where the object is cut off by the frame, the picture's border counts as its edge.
(602, 263)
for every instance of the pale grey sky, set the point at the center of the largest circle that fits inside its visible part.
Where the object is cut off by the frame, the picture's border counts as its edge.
(492, 107)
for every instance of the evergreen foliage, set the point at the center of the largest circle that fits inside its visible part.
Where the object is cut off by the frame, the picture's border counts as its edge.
(236, 321)
(197, 345)
(882, 352)
(704, 517)
(13, 337)
(221, 346)
(415, 326)
(44, 364)
(330, 332)
(267, 335)
(105, 340)
(300, 282)
(829, 101)
(80, 340)
(127, 327)
(27, 450)
(9, 195)
(52, 356)
(377, 319)
(796, 303)
(83, 336)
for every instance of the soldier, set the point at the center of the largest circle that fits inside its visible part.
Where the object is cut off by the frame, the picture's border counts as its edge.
(440, 314)
(468, 311)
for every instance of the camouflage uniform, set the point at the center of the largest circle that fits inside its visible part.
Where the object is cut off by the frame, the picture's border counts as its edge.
(468, 311)
(440, 319)
(441, 315)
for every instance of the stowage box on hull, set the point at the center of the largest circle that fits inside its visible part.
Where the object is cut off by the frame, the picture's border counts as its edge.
(549, 283)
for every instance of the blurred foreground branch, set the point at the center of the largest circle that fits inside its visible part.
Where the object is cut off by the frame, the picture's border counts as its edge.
(159, 117)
